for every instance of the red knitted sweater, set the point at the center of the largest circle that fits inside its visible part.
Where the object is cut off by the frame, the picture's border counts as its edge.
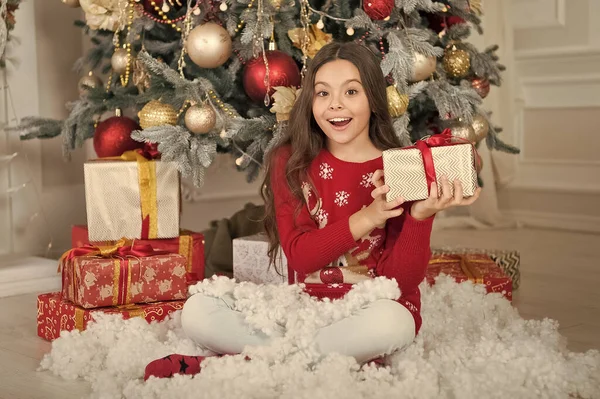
(319, 234)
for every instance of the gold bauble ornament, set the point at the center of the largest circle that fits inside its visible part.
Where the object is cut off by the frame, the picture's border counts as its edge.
(481, 127)
(423, 67)
(457, 63)
(200, 118)
(276, 3)
(89, 81)
(462, 130)
(397, 103)
(72, 3)
(209, 45)
(156, 113)
(119, 61)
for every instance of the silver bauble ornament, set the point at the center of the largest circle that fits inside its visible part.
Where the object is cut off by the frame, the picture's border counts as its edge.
(209, 45)
(423, 67)
(481, 127)
(200, 118)
(119, 61)
(88, 81)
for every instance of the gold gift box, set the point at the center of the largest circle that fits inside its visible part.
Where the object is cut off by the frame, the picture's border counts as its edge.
(404, 170)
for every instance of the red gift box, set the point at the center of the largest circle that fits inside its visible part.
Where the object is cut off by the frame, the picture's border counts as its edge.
(122, 274)
(478, 268)
(55, 314)
(188, 244)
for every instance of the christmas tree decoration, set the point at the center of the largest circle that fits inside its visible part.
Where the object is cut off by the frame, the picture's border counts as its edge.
(397, 103)
(283, 71)
(284, 99)
(423, 67)
(481, 127)
(153, 41)
(141, 77)
(462, 130)
(316, 39)
(120, 61)
(457, 63)
(378, 9)
(476, 6)
(89, 81)
(481, 86)
(156, 113)
(104, 14)
(200, 118)
(72, 3)
(209, 45)
(276, 3)
(113, 136)
(159, 7)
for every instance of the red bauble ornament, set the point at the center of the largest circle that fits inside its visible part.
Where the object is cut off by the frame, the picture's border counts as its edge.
(439, 22)
(378, 9)
(481, 86)
(113, 137)
(283, 71)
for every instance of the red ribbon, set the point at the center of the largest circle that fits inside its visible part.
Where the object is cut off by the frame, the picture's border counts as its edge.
(149, 151)
(437, 140)
(121, 249)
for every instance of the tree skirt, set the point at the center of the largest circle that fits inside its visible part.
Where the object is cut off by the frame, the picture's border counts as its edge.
(471, 345)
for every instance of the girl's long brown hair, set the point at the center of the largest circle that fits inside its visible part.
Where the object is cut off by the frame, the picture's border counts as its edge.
(304, 135)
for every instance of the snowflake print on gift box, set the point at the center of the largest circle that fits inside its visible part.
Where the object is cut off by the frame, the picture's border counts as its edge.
(341, 198)
(322, 217)
(326, 172)
(366, 180)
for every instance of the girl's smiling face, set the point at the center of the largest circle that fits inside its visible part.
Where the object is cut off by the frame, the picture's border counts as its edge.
(340, 105)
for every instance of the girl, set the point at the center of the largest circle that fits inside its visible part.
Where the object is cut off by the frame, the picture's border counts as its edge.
(325, 205)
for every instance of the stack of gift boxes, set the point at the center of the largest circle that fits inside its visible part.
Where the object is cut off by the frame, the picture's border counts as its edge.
(132, 258)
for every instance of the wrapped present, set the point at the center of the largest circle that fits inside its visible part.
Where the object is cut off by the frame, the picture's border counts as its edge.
(189, 244)
(251, 262)
(478, 268)
(55, 314)
(409, 171)
(508, 260)
(131, 199)
(122, 274)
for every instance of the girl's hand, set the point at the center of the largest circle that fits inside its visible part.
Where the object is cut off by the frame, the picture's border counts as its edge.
(428, 207)
(380, 210)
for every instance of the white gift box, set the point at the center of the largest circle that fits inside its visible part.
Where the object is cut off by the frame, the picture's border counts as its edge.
(114, 203)
(251, 262)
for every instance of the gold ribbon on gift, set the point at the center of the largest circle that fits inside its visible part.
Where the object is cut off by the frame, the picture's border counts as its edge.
(79, 318)
(185, 244)
(471, 273)
(148, 196)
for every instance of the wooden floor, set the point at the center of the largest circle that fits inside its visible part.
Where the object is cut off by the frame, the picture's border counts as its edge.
(560, 280)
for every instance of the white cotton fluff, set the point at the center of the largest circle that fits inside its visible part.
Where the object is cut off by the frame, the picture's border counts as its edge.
(471, 345)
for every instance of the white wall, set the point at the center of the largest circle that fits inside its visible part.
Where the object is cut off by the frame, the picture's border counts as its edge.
(557, 62)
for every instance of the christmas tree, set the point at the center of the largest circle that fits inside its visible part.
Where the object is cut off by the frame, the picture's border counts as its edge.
(204, 76)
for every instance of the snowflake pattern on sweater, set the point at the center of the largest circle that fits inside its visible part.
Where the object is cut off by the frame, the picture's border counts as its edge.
(342, 195)
(319, 236)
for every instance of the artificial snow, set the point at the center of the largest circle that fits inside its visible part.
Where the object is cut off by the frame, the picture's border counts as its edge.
(471, 345)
